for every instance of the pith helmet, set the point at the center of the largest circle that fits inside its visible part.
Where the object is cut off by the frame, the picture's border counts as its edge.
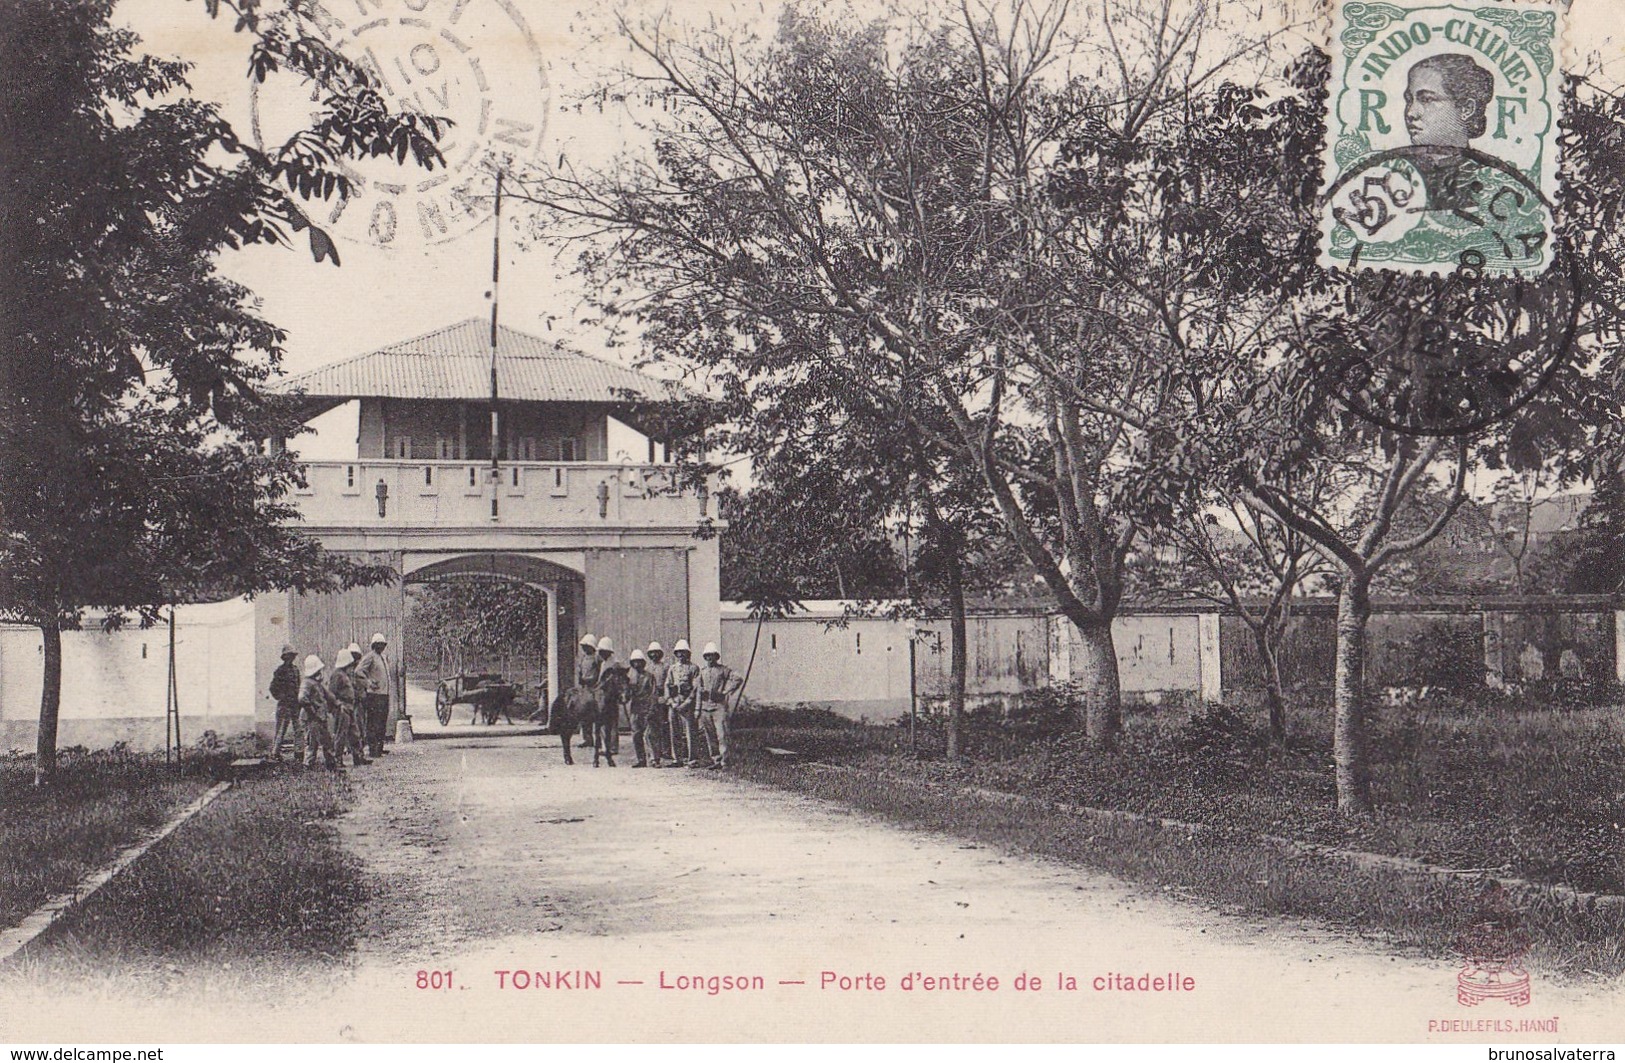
(345, 656)
(606, 645)
(355, 648)
(313, 665)
(637, 655)
(655, 647)
(682, 647)
(711, 650)
(377, 637)
(588, 640)
(289, 651)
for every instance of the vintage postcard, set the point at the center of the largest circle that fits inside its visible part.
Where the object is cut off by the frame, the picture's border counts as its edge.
(529, 522)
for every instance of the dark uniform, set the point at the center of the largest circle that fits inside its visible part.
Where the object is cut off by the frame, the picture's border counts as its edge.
(285, 691)
(342, 688)
(314, 707)
(640, 698)
(583, 697)
(612, 698)
(373, 675)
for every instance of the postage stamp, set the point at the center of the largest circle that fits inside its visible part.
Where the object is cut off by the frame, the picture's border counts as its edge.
(1442, 145)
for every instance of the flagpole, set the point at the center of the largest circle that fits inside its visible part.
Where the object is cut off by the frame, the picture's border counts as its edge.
(496, 275)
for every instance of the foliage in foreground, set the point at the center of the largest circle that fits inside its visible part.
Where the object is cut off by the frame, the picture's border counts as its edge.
(130, 412)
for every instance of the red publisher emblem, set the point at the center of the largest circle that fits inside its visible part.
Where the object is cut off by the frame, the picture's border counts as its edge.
(1492, 951)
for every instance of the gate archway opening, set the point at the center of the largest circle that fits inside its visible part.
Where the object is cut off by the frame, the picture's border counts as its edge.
(509, 618)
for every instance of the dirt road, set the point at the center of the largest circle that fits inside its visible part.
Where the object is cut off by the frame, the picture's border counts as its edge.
(521, 900)
(504, 866)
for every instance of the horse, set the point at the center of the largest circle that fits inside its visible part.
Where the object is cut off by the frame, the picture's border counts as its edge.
(595, 713)
(574, 709)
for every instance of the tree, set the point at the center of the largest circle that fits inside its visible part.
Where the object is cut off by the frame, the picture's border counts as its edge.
(129, 412)
(1596, 565)
(803, 533)
(1360, 532)
(875, 209)
(1240, 556)
(1405, 486)
(838, 481)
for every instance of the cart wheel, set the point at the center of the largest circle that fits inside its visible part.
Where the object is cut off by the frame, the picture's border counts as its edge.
(442, 703)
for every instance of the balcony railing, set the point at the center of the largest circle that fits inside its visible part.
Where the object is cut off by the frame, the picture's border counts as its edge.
(377, 493)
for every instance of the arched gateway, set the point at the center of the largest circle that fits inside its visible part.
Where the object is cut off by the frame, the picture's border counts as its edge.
(561, 587)
(610, 540)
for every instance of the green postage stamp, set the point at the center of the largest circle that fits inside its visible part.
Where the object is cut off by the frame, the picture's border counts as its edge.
(1442, 136)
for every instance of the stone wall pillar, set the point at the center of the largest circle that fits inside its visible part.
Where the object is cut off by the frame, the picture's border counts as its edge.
(1208, 656)
(1619, 645)
(1494, 652)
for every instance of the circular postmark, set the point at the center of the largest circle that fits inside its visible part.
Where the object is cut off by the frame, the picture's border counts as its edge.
(1468, 209)
(1446, 353)
(475, 62)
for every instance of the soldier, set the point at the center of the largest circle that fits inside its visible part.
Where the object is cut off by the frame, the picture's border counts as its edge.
(285, 691)
(641, 700)
(609, 716)
(660, 734)
(681, 678)
(314, 703)
(716, 685)
(345, 693)
(584, 702)
(373, 675)
(612, 697)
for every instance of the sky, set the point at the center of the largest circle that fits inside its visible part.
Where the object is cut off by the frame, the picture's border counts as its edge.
(511, 73)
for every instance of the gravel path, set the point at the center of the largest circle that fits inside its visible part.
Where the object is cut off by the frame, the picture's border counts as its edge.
(686, 905)
(499, 858)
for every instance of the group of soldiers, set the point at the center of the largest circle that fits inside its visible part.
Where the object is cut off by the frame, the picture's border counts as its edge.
(344, 710)
(666, 701)
(339, 711)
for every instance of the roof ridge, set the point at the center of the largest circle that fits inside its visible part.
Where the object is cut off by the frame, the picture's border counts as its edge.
(464, 323)
(387, 348)
(515, 345)
(590, 357)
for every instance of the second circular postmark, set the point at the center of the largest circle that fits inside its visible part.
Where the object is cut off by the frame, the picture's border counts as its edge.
(475, 62)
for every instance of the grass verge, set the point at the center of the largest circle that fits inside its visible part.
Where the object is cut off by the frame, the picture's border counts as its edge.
(1166, 770)
(100, 802)
(254, 891)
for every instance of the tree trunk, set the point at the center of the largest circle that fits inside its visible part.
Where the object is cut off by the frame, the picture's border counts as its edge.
(1274, 694)
(754, 645)
(1096, 669)
(1348, 720)
(50, 704)
(958, 653)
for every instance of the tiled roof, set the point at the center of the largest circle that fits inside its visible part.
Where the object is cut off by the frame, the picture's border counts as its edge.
(455, 363)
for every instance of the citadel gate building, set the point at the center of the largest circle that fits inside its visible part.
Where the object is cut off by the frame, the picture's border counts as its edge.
(611, 542)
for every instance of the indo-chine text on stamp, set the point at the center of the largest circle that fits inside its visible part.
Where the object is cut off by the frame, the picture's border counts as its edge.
(1442, 136)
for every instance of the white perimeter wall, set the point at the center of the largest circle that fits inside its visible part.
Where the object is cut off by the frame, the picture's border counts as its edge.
(862, 670)
(113, 683)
